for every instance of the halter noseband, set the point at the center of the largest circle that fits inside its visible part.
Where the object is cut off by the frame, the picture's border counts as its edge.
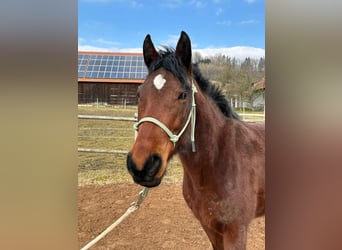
(173, 137)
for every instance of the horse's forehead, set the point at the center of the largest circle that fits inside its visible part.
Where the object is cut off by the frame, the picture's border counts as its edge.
(160, 77)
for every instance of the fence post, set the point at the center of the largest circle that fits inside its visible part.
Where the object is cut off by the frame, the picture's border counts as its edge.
(125, 102)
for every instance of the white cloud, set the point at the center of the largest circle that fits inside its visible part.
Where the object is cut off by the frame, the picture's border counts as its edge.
(106, 42)
(171, 41)
(250, 1)
(219, 11)
(250, 21)
(224, 22)
(172, 4)
(197, 4)
(81, 40)
(136, 4)
(92, 48)
(98, 44)
(107, 49)
(239, 52)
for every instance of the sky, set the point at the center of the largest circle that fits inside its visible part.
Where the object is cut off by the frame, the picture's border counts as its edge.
(235, 28)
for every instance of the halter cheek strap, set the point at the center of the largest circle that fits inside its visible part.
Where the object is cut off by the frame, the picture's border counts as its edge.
(173, 137)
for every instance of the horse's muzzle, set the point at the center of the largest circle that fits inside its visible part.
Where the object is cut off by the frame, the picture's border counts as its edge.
(146, 175)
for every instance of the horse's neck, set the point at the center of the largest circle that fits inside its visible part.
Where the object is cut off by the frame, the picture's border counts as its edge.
(210, 124)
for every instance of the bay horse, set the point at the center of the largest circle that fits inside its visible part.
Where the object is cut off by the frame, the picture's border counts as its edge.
(181, 112)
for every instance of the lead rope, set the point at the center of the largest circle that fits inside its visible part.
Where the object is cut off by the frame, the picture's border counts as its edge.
(143, 193)
(134, 206)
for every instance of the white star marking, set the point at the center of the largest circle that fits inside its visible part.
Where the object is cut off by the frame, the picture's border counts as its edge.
(159, 81)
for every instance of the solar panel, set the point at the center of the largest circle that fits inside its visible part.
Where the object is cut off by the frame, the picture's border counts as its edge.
(111, 66)
(82, 62)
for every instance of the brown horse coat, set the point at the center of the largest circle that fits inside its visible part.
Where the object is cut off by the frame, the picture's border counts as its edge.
(224, 179)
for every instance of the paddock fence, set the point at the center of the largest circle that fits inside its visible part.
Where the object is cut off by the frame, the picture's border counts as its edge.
(103, 144)
(102, 133)
(248, 117)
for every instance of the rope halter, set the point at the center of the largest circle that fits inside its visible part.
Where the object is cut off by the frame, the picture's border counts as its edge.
(173, 137)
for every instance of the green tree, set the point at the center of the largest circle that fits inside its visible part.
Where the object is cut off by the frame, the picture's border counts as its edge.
(261, 65)
(235, 78)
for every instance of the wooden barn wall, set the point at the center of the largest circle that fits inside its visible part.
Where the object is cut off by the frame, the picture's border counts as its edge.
(107, 93)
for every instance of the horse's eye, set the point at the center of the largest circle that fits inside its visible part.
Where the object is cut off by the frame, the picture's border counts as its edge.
(138, 95)
(182, 96)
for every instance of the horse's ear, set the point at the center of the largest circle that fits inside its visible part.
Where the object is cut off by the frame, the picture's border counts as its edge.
(183, 50)
(150, 53)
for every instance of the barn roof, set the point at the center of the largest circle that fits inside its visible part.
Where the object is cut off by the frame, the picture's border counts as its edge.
(260, 84)
(111, 67)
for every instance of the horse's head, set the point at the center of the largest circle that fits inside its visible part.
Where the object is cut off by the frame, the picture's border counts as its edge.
(165, 109)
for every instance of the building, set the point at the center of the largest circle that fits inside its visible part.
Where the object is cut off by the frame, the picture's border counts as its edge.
(259, 96)
(256, 99)
(109, 78)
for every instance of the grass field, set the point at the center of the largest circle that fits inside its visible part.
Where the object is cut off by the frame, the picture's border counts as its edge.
(103, 168)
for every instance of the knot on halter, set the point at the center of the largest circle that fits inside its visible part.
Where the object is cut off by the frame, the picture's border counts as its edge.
(174, 138)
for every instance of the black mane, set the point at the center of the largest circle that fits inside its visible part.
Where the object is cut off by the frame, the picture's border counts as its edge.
(170, 62)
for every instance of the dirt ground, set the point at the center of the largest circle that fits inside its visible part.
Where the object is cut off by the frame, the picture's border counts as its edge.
(163, 220)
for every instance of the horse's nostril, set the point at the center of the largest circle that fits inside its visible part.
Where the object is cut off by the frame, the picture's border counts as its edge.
(131, 166)
(150, 167)
(153, 164)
